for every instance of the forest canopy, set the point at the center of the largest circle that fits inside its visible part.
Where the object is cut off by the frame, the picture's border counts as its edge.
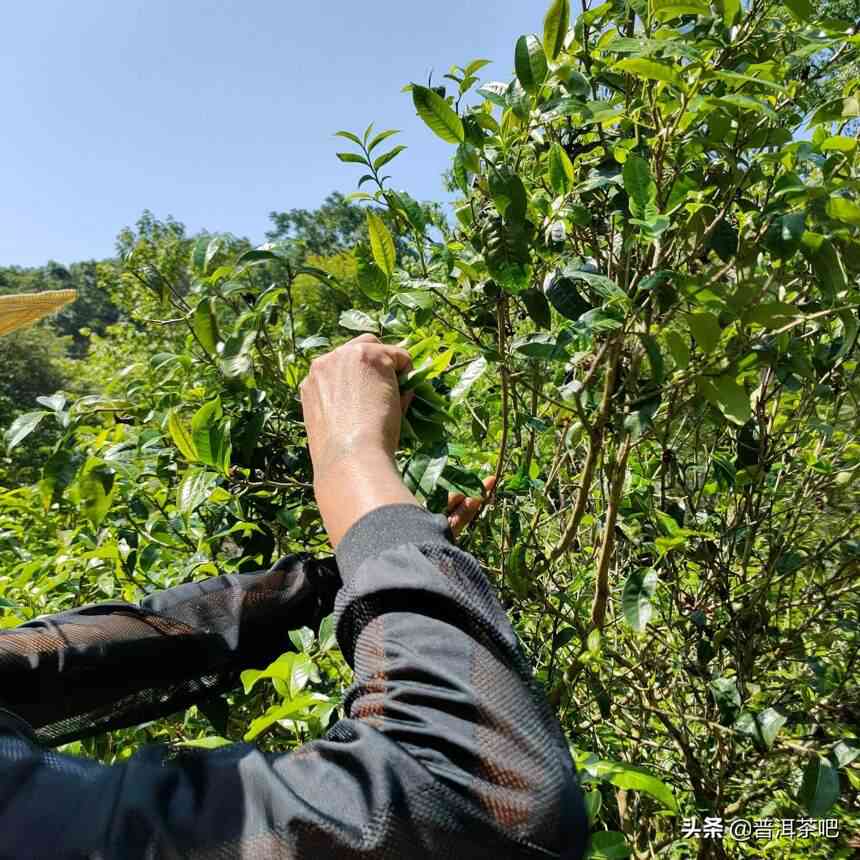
(641, 316)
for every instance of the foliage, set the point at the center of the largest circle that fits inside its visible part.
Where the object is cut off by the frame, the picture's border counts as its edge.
(644, 321)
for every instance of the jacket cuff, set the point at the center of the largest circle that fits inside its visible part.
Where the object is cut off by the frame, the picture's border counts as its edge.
(13, 724)
(385, 528)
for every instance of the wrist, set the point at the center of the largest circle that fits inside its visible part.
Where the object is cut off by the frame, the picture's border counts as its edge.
(365, 481)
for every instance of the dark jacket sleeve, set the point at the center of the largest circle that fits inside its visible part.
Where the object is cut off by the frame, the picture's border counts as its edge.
(448, 750)
(111, 665)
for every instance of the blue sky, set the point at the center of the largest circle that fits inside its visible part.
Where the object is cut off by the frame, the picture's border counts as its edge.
(216, 112)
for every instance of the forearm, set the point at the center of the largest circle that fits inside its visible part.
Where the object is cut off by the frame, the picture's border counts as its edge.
(355, 486)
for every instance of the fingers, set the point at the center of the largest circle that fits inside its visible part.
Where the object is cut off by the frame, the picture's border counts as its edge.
(461, 511)
(401, 358)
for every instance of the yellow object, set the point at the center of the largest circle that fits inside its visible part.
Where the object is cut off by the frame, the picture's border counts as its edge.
(22, 309)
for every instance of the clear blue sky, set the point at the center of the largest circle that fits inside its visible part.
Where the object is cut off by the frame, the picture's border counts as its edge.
(216, 112)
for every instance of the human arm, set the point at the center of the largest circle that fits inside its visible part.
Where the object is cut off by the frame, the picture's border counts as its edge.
(448, 747)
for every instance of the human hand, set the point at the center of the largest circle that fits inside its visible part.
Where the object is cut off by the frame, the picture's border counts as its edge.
(352, 403)
(461, 510)
(353, 407)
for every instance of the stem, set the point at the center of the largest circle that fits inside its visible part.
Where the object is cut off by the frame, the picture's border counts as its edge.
(601, 584)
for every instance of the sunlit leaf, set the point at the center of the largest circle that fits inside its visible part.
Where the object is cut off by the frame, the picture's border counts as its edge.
(530, 63)
(555, 28)
(636, 598)
(438, 115)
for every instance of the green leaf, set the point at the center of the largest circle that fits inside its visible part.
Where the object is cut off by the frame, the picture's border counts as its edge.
(655, 358)
(770, 315)
(603, 286)
(607, 845)
(783, 236)
(666, 10)
(381, 244)
(530, 63)
(597, 320)
(327, 636)
(384, 159)
(678, 349)
(258, 255)
(379, 138)
(55, 402)
(844, 753)
(509, 194)
(641, 418)
(457, 480)
(96, 490)
(636, 598)
(425, 469)
(561, 175)
(236, 356)
(651, 70)
(355, 320)
(212, 250)
(731, 12)
(198, 255)
(507, 252)
(561, 292)
(22, 427)
(475, 66)
(706, 329)
(727, 696)
(57, 474)
(194, 489)
(635, 778)
(730, 398)
(762, 728)
(303, 671)
(302, 638)
(801, 9)
(372, 281)
(593, 802)
(416, 299)
(538, 307)
(843, 209)
(411, 208)
(839, 144)
(212, 742)
(820, 787)
(746, 103)
(289, 710)
(495, 92)
(837, 110)
(181, 437)
(207, 434)
(205, 326)
(279, 669)
(555, 27)
(352, 158)
(432, 367)
(739, 80)
(545, 347)
(471, 374)
(723, 240)
(465, 165)
(640, 187)
(348, 135)
(438, 115)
